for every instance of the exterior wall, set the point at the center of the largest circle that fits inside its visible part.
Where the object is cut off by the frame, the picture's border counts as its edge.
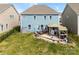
(78, 25)
(69, 19)
(36, 23)
(5, 19)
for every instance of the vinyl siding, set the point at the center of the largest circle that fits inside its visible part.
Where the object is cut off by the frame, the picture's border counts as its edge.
(5, 19)
(35, 23)
(69, 19)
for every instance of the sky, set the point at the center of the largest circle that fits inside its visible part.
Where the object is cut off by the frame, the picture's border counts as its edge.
(20, 7)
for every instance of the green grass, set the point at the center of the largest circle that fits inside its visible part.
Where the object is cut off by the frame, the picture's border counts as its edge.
(26, 44)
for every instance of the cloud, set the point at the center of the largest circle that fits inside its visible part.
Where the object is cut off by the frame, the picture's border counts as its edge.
(58, 9)
(20, 10)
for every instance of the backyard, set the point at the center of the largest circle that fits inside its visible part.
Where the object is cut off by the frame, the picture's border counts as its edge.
(26, 44)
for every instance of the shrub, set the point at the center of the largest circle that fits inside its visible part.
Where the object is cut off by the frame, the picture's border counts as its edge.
(5, 35)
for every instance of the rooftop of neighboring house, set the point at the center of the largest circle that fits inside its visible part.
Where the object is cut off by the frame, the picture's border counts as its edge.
(40, 9)
(4, 7)
(75, 7)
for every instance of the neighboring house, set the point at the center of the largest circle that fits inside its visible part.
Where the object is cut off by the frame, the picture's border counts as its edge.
(37, 18)
(9, 17)
(70, 17)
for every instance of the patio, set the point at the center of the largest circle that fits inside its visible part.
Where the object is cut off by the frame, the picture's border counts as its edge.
(52, 39)
(55, 34)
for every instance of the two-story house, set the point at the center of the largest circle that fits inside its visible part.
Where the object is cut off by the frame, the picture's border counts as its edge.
(70, 17)
(37, 18)
(9, 17)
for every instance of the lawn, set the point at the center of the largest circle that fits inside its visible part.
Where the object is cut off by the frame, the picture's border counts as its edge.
(25, 44)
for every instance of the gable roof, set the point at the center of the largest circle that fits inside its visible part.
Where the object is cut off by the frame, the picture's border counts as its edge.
(3, 7)
(39, 9)
(75, 7)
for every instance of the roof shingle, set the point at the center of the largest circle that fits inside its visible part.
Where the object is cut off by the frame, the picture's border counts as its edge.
(75, 7)
(39, 9)
(4, 6)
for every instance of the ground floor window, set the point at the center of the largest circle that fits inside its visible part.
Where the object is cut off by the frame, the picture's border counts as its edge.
(46, 28)
(41, 26)
(29, 26)
(2, 27)
(6, 26)
(38, 27)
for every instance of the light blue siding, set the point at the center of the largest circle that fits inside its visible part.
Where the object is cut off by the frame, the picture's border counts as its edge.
(35, 23)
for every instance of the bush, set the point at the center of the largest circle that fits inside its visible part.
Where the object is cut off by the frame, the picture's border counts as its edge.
(5, 35)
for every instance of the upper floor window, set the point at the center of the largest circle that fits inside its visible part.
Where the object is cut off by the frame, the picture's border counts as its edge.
(34, 17)
(50, 17)
(12, 16)
(44, 17)
(29, 26)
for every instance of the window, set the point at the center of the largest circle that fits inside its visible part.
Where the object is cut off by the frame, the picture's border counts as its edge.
(46, 27)
(6, 26)
(44, 17)
(50, 17)
(42, 27)
(2, 27)
(11, 16)
(29, 26)
(38, 27)
(34, 17)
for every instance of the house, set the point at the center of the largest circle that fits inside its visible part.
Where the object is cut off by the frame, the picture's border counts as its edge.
(37, 18)
(70, 17)
(9, 17)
